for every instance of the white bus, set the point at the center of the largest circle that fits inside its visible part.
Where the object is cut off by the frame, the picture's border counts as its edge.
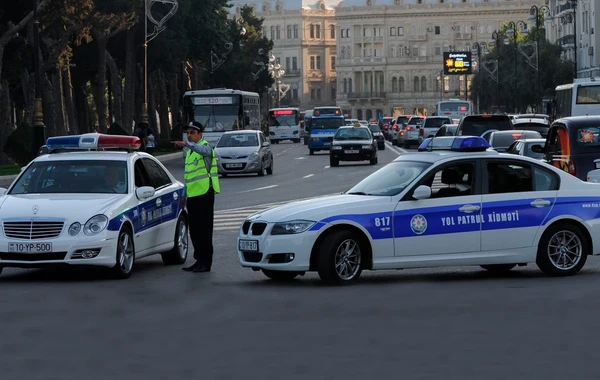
(580, 98)
(284, 124)
(454, 108)
(221, 110)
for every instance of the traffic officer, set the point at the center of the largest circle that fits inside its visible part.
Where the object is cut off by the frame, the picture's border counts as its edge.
(201, 184)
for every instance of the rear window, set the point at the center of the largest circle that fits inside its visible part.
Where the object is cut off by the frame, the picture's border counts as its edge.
(506, 139)
(437, 122)
(416, 121)
(402, 120)
(588, 136)
(374, 128)
(541, 128)
(477, 125)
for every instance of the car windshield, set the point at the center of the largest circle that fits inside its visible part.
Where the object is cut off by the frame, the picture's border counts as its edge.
(391, 179)
(478, 125)
(352, 134)
(73, 177)
(504, 140)
(238, 139)
(326, 123)
(374, 128)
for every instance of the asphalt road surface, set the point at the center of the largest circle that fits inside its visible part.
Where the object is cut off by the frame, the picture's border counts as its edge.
(163, 323)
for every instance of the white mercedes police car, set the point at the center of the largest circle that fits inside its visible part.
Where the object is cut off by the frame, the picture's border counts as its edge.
(81, 204)
(453, 203)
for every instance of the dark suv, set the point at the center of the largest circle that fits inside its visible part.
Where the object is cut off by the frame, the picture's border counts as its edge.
(478, 125)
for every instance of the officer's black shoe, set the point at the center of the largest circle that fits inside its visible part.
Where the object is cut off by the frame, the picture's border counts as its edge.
(192, 267)
(201, 269)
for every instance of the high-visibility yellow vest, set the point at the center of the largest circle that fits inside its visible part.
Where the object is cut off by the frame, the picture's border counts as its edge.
(197, 178)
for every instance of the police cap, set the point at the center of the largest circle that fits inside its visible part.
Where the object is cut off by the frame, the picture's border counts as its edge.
(196, 125)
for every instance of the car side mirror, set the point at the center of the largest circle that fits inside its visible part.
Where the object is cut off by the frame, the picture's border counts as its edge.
(266, 143)
(422, 192)
(537, 148)
(2, 191)
(144, 192)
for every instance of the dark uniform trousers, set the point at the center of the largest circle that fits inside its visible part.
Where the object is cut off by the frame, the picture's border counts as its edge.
(202, 214)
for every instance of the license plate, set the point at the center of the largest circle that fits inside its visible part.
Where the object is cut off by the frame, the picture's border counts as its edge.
(30, 247)
(234, 165)
(351, 151)
(249, 245)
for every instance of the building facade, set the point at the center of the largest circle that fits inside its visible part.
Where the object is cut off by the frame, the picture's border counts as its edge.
(390, 52)
(581, 46)
(304, 42)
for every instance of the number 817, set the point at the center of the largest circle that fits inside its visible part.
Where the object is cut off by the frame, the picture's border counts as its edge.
(383, 221)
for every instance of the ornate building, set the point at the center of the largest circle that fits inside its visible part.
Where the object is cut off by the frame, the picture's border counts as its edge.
(390, 51)
(560, 23)
(304, 37)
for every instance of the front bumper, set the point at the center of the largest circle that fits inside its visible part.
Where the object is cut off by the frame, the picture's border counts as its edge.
(239, 166)
(275, 252)
(98, 250)
(345, 154)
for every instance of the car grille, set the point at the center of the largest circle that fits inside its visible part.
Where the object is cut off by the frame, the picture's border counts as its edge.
(33, 230)
(233, 157)
(252, 257)
(256, 229)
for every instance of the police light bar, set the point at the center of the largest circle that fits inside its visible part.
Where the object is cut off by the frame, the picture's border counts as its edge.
(93, 141)
(455, 144)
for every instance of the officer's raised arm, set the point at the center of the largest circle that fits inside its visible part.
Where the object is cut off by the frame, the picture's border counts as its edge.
(203, 150)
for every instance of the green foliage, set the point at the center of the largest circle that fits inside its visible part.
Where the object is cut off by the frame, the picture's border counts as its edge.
(18, 145)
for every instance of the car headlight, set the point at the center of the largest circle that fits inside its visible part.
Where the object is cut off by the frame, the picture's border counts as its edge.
(253, 156)
(366, 146)
(292, 227)
(337, 147)
(95, 225)
(74, 228)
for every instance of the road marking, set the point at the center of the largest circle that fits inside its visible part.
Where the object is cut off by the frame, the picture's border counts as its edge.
(259, 188)
(308, 176)
(326, 167)
(300, 158)
(394, 149)
(283, 151)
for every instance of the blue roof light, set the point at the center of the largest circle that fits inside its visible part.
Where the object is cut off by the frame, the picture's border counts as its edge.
(63, 142)
(455, 144)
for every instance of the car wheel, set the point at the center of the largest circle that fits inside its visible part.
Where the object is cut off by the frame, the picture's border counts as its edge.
(333, 162)
(279, 275)
(499, 268)
(563, 250)
(179, 253)
(373, 160)
(311, 152)
(270, 168)
(125, 255)
(340, 258)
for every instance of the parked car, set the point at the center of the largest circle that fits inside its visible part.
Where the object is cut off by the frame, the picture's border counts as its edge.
(244, 152)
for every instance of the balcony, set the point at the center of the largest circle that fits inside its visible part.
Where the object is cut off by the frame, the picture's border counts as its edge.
(292, 72)
(363, 60)
(366, 95)
(417, 59)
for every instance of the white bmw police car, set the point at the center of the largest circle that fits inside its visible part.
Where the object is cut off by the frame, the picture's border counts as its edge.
(80, 204)
(453, 203)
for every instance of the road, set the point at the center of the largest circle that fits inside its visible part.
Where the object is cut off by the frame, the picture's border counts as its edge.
(162, 323)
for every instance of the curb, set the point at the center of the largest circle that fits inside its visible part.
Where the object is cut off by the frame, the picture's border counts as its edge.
(6, 180)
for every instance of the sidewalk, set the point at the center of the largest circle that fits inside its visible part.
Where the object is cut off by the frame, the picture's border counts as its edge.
(6, 180)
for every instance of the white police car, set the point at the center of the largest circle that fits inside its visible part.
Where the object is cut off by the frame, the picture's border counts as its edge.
(82, 205)
(454, 203)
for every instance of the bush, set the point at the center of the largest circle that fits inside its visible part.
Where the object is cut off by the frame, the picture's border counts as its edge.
(19, 145)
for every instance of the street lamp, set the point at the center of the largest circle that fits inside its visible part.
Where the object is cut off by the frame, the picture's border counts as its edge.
(535, 15)
(159, 26)
(39, 129)
(277, 72)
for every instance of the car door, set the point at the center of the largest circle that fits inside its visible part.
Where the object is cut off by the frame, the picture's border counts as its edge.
(449, 222)
(166, 201)
(517, 199)
(145, 219)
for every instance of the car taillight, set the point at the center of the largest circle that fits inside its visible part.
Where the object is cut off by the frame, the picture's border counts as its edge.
(395, 127)
(422, 132)
(401, 133)
(409, 128)
(571, 168)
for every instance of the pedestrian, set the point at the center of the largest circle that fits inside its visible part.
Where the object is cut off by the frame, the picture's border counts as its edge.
(150, 143)
(201, 184)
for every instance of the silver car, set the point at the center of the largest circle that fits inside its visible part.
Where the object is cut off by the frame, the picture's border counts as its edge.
(243, 152)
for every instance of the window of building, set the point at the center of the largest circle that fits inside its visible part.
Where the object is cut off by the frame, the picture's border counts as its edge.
(400, 30)
(289, 32)
(333, 62)
(393, 31)
(318, 31)
(333, 94)
(318, 62)
(294, 63)
(332, 31)
(278, 32)
(312, 31)
(295, 31)
(272, 32)
(287, 63)
(294, 93)
(437, 30)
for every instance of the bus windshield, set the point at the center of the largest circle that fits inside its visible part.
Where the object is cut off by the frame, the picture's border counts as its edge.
(288, 119)
(217, 118)
(326, 123)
